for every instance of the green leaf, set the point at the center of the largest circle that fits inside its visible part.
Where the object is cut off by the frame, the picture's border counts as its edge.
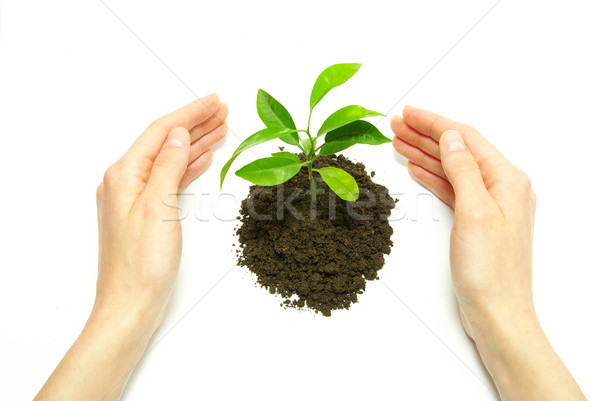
(287, 155)
(344, 116)
(340, 182)
(307, 143)
(257, 138)
(330, 148)
(358, 132)
(269, 171)
(273, 114)
(331, 77)
(350, 134)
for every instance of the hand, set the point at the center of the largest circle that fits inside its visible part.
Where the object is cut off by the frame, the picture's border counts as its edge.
(140, 250)
(490, 250)
(139, 230)
(492, 237)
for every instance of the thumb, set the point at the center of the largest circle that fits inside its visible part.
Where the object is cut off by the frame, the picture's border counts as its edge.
(171, 163)
(462, 171)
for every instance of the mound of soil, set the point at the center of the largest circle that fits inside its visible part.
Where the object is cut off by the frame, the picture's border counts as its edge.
(316, 255)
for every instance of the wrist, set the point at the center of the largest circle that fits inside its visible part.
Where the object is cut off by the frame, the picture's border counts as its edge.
(503, 323)
(99, 363)
(130, 322)
(499, 333)
(520, 359)
(507, 338)
(142, 306)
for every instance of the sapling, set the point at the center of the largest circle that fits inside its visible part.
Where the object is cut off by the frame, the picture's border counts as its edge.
(341, 130)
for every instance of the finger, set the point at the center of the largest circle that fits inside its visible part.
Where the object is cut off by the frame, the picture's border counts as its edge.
(190, 115)
(195, 169)
(463, 173)
(211, 123)
(417, 156)
(438, 185)
(148, 145)
(431, 124)
(493, 164)
(409, 135)
(170, 164)
(207, 141)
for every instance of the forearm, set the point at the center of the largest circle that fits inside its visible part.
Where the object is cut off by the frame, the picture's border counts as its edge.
(99, 363)
(521, 360)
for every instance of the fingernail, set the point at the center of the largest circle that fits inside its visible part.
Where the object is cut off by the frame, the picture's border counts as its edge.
(176, 139)
(453, 141)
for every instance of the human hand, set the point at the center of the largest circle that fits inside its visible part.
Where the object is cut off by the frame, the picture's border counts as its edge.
(139, 250)
(492, 237)
(490, 251)
(139, 229)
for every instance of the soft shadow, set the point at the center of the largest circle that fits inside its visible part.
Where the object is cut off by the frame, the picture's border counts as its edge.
(480, 365)
(400, 159)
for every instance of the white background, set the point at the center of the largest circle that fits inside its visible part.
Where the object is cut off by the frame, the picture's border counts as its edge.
(77, 86)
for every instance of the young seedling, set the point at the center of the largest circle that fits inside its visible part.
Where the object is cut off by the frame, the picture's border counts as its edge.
(342, 129)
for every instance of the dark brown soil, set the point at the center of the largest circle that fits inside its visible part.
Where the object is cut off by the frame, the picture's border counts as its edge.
(317, 256)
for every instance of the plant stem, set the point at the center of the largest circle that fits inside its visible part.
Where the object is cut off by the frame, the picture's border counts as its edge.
(313, 191)
(310, 158)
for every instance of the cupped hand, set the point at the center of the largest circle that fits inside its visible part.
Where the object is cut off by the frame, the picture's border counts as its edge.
(490, 252)
(139, 229)
(492, 237)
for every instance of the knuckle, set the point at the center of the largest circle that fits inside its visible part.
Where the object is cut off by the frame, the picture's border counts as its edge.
(110, 175)
(423, 142)
(156, 124)
(472, 171)
(521, 181)
(465, 164)
(419, 158)
(432, 125)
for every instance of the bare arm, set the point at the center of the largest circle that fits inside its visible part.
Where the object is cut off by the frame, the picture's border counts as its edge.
(490, 252)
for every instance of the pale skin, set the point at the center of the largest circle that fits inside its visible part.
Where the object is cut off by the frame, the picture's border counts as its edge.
(140, 251)
(490, 251)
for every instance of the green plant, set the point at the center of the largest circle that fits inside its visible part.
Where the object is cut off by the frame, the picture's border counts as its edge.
(341, 130)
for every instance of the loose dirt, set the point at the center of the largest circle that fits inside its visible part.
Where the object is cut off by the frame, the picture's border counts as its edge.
(319, 257)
